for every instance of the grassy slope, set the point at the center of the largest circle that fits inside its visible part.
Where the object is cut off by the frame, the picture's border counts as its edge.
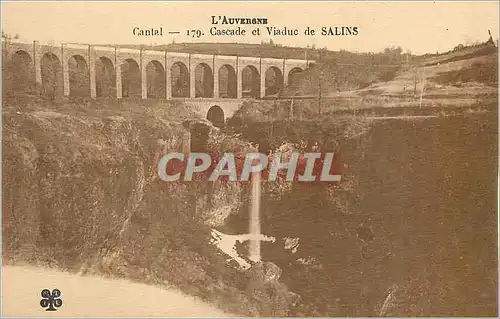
(441, 75)
(467, 78)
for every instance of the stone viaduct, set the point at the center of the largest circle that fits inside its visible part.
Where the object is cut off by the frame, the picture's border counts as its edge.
(106, 71)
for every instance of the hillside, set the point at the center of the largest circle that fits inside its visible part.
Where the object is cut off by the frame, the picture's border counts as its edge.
(408, 232)
(466, 77)
(82, 194)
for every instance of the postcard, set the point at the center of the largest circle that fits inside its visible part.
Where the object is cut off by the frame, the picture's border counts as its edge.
(249, 159)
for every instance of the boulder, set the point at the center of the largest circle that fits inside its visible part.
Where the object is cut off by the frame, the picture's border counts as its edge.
(272, 297)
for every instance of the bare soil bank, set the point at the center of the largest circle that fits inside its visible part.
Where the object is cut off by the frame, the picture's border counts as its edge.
(91, 296)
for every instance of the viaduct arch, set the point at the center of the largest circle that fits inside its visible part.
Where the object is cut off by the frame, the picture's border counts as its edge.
(294, 76)
(105, 77)
(19, 73)
(131, 79)
(106, 71)
(180, 80)
(79, 81)
(51, 75)
(155, 73)
(250, 81)
(227, 82)
(274, 81)
(204, 84)
(215, 115)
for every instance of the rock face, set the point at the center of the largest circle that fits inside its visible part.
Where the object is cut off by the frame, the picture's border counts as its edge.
(79, 180)
(82, 193)
(274, 298)
(265, 272)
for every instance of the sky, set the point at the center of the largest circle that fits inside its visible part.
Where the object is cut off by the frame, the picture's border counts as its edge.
(421, 27)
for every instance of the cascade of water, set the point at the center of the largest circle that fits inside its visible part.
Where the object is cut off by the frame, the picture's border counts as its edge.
(255, 218)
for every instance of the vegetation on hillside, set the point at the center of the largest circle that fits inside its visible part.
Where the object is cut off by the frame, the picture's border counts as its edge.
(81, 193)
(479, 72)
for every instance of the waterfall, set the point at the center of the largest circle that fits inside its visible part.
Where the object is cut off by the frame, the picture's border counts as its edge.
(255, 218)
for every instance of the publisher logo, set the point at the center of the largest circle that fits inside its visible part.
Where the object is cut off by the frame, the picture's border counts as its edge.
(51, 300)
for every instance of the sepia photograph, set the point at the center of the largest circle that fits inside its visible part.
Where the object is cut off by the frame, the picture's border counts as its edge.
(250, 159)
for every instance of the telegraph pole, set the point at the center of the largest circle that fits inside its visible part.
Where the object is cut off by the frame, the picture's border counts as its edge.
(423, 86)
(319, 95)
(415, 81)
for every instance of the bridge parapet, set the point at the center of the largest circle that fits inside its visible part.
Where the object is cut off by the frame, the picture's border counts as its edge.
(178, 55)
(76, 46)
(272, 61)
(104, 49)
(202, 57)
(153, 53)
(220, 60)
